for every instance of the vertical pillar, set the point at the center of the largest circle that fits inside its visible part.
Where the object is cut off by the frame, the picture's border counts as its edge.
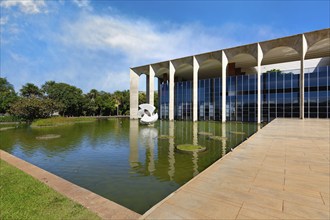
(171, 92)
(159, 98)
(151, 85)
(195, 88)
(259, 59)
(302, 76)
(147, 88)
(224, 62)
(134, 94)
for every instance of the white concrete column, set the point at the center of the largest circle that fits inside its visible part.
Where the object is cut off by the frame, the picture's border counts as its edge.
(260, 57)
(159, 99)
(134, 94)
(151, 85)
(195, 88)
(224, 62)
(147, 89)
(171, 92)
(302, 76)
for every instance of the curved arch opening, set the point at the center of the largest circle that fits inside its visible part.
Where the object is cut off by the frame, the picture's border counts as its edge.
(210, 68)
(279, 55)
(319, 49)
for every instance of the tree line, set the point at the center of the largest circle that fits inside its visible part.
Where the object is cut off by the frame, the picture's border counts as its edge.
(53, 98)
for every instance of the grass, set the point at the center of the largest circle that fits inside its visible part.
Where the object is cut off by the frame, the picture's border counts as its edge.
(9, 118)
(56, 121)
(23, 197)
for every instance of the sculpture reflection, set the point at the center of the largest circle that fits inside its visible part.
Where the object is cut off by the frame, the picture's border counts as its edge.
(148, 136)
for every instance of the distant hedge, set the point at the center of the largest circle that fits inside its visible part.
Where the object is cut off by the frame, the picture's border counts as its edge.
(9, 118)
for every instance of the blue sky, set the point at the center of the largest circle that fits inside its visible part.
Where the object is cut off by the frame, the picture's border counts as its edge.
(92, 44)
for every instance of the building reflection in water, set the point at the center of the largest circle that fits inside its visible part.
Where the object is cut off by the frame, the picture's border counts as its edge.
(224, 138)
(195, 133)
(171, 152)
(133, 143)
(195, 154)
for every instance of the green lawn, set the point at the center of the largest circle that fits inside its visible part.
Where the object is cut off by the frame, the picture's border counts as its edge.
(23, 197)
(55, 121)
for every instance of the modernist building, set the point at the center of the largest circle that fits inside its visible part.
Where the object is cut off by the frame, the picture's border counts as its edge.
(285, 77)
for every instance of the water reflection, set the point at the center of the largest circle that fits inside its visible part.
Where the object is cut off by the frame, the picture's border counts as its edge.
(171, 157)
(124, 161)
(133, 143)
(148, 136)
(224, 139)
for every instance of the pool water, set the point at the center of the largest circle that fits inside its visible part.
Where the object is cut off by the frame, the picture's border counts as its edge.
(131, 164)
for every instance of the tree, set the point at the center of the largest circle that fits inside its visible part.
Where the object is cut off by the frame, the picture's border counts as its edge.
(30, 108)
(91, 107)
(142, 97)
(117, 97)
(7, 95)
(29, 90)
(70, 97)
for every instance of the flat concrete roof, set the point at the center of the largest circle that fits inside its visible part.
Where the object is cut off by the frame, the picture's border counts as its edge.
(278, 50)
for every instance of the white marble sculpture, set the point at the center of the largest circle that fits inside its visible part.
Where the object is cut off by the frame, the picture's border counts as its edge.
(146, 113)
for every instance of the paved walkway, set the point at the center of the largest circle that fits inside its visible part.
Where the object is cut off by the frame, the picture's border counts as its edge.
(281, 172)
(103, 207)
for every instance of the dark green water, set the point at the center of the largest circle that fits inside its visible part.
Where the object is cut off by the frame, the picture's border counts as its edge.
(122, 160)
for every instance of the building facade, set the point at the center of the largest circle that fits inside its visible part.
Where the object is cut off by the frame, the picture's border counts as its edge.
(285, 77)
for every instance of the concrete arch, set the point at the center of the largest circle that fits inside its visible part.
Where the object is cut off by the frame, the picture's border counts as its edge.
(293, 42)
(184, 72)
(216, 55)
(280, 54)
(250, 49)
(210, 68)
(317, 36)
(319, 48)
(243, 60)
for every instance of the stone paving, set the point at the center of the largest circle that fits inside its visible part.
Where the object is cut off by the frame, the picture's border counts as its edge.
(103, 207)
(281, 172)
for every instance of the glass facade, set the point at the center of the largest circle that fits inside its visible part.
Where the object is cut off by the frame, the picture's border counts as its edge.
(183, 100)
(279, 96)
(209, 99)
(163, 101)
(317, 93)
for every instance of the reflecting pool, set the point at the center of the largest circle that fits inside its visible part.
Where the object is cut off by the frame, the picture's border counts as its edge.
(131, 164)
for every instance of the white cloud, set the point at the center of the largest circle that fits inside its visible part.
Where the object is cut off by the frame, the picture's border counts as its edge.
(19, 58)
(85, 4)
(128, 42)
(3, 20)
(140, 40)
(26, 6)
(96, 51)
